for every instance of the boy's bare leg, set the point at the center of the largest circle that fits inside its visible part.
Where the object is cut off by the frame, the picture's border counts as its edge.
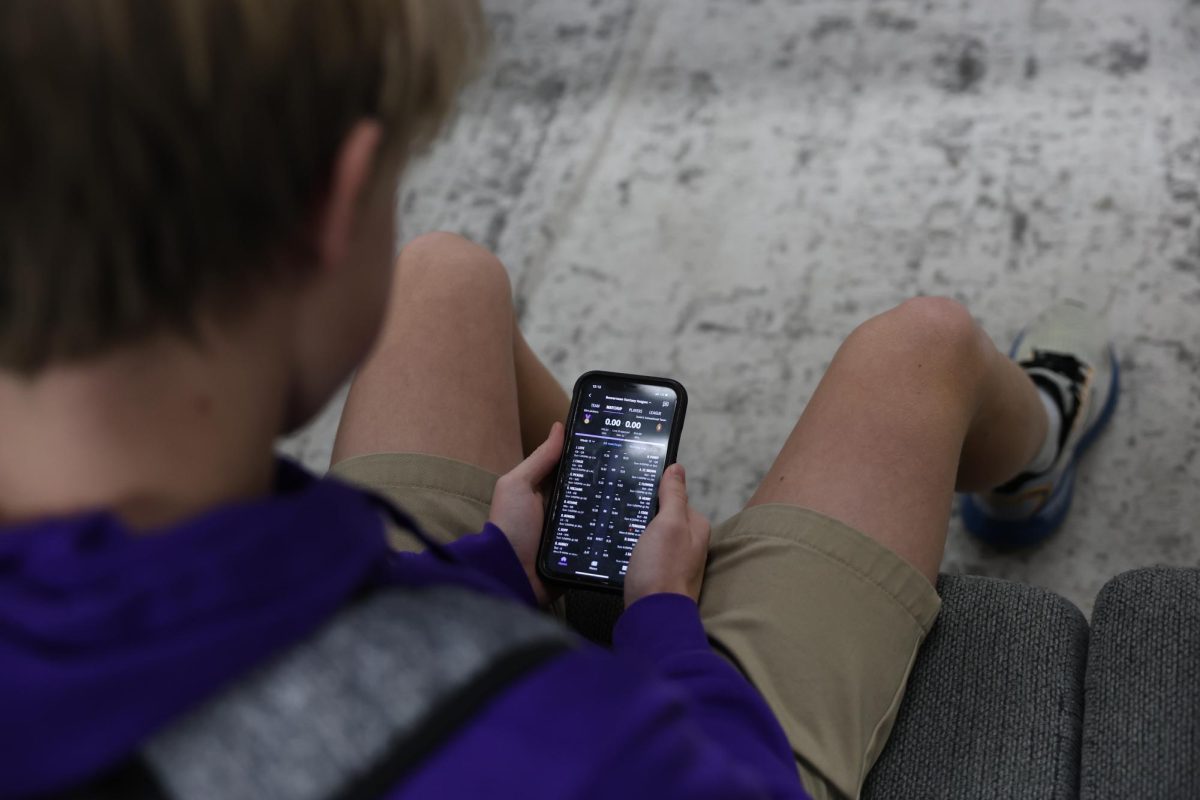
(825, 611)
(541, 399)
(451, 375)
(917, 402)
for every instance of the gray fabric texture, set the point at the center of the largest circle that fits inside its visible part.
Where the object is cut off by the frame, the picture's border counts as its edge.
(995, 701)
(1141, 733)
(324, 713)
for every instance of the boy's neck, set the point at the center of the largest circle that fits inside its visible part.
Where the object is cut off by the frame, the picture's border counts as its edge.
(155, 433)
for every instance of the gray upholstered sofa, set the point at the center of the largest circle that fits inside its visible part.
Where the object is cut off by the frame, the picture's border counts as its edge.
(1015, 697)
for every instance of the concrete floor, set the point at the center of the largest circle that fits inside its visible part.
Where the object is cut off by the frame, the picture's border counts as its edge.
(720, 190)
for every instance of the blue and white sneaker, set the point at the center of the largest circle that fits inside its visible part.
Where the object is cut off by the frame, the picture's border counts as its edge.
(1068, 355)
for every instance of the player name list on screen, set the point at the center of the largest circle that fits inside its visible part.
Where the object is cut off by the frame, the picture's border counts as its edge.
(616, 455)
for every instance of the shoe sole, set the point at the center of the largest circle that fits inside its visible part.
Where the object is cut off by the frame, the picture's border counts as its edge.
(1015, 534)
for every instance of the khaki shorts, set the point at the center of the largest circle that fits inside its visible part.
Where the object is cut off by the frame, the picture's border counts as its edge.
(822, 620)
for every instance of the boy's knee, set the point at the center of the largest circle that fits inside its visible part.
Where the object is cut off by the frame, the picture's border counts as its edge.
(938, 330)
(938, 321)
(449, 266)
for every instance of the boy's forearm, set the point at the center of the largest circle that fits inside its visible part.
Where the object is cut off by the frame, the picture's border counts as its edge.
(665, 632)
(489, 554)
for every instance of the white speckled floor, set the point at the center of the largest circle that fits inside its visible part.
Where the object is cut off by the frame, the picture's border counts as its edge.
(720, 190)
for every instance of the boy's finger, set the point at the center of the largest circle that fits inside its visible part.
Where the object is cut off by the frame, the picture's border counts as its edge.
(672, 494)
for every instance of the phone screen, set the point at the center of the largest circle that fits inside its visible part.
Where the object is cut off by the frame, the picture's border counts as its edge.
(619, 443)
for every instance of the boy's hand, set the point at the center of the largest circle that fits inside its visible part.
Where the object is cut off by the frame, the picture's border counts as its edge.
(519, 507)
(671, 554)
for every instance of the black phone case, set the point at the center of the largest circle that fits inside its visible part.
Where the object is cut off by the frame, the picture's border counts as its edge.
(672, 449)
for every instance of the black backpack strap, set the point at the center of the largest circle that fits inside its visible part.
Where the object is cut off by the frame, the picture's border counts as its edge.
(132, 779)
(354, 710)
(409, 750)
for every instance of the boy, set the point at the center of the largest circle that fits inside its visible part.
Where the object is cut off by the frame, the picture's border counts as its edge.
(194, 253)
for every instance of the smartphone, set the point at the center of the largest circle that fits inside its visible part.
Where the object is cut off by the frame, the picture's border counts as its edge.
(621, 433)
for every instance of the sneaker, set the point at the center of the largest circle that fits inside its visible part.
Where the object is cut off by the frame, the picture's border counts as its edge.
(1068, 355)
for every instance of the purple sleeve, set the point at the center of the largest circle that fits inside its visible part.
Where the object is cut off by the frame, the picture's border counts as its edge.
(492, 566)
(664, 632)
(675, 760)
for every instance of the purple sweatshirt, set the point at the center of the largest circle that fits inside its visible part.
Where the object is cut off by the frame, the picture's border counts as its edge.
(106, 636)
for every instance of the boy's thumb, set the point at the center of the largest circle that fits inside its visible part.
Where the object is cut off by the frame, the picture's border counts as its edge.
(673, 492)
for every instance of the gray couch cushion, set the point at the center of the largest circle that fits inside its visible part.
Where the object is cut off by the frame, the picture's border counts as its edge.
(995, 701)
(994, 705)
(1141, 735)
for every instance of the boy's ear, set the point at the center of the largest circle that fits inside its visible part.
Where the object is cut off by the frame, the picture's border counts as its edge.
(353, 170)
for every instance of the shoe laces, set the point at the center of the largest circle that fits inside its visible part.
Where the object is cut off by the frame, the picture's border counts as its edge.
(1062, 376)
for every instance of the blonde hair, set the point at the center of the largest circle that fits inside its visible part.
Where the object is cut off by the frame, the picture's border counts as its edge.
(152, 152)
